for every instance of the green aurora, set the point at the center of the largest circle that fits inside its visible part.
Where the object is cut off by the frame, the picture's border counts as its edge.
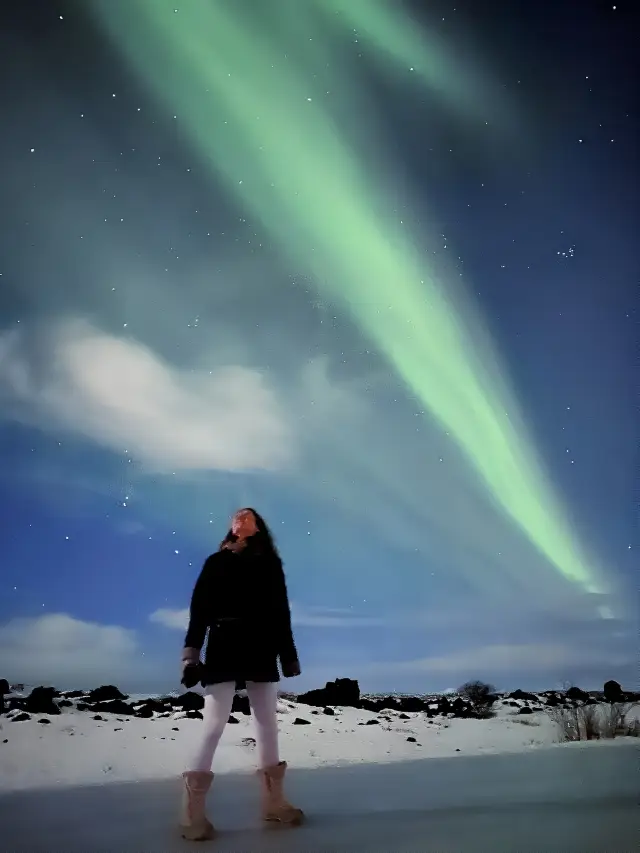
(259, 90)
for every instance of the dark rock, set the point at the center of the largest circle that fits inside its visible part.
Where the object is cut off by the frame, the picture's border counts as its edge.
(106, 693)
(576, 695)
(612, 692)
(115, 706)
(300, 722)
(233, 720)
(404, 717)
(194, 715)
(74, 694)
(99, 718)
(552, 701)
(45, 722)
(525, 710)
(82, 706)
(372, 723)
(444, 706)
(409, 704)
(190, 701)
(65, 703)
(150, 706)
(4, 687)
(520, 694)
(20, 718)
(411, 740)
(412, 704)
(460, 708)
(241, 705)
(40, 701)
(329, 712)
(342, 693)
(377, 705)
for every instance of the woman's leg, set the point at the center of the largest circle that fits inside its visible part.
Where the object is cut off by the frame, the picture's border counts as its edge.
(218, 701)
(275, 806)
(263, 698)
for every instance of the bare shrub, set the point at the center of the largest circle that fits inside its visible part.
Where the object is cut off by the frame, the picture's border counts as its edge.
(614, 719)
(478, 693)
(484, 714)
(589, 722)
(594, 722)
(568, 721)
(632, 729)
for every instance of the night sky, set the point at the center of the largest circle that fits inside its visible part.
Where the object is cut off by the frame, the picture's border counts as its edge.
(369, 267)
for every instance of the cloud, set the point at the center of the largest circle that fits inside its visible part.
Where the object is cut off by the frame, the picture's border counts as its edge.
(532, 666)
(59, 650)
(309, 617)
(122, 395)
(171, 618)
(531, 662)
(527, 657)
(332, 617)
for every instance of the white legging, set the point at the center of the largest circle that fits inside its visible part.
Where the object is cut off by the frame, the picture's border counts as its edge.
(218, 701)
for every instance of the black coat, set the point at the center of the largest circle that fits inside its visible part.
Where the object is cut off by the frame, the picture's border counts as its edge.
(241, 599)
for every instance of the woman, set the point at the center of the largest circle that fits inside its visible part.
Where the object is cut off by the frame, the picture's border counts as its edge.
(241, 598)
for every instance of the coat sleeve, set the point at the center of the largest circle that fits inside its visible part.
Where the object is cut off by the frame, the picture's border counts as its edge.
(287, 651)
(200, 607)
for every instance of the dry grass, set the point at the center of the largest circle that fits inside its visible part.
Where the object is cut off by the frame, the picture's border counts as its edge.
(615, 722)
(632, 729)
(595, 722)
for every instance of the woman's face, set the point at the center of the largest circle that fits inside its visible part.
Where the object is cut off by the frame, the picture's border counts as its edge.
(244, 524)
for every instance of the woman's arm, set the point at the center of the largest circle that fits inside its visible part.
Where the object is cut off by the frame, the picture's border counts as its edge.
(199, 614)
(287, 651)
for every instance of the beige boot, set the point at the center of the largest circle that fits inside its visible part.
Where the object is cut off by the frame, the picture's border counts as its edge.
(275, 808)
(194, 824)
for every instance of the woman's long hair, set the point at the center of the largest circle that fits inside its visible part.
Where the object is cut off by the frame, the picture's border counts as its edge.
(260, 543)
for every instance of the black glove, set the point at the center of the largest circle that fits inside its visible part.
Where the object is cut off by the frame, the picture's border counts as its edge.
(191, 675)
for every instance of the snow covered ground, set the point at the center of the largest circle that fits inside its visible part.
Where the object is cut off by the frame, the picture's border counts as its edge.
(82, 747)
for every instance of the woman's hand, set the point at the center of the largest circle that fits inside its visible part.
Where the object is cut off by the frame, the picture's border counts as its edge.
(190, 667)
(191, 675)
(291, 669)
